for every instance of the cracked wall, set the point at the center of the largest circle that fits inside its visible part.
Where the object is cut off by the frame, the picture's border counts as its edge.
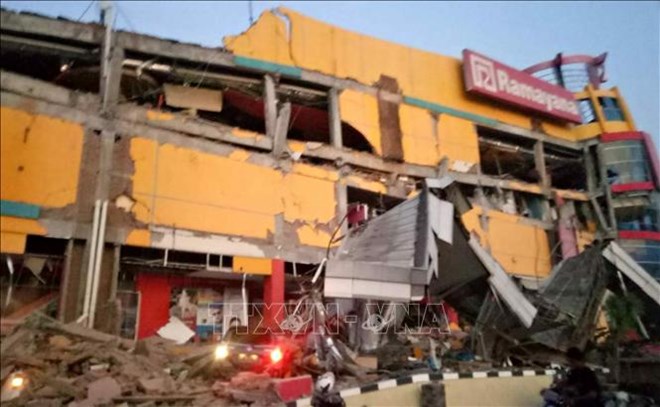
(521, 249)
(183, 188)
(317, 46)
(40, 164)
(40, 159)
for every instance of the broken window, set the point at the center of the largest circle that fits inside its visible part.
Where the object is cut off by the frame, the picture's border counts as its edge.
(376, 204)
(174, 258)
(638, 211)
(626, 162)
(41, 59)
(645, 252)
(299, 269)
(31, 281)
(565, 167)
(507, 156)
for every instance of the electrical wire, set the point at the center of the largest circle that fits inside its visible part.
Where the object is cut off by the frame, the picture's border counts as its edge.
(125, 17)
(86, 10)
(334, 233)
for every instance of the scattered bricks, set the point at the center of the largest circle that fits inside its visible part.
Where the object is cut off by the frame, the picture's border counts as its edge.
(141, 348)
(45, 402)
(14, 339)
(370, 362)
(62, 386)
(59, 342)
(293, 388)
(251, 381)
(153, 386)
(103, 391)
(46, 392)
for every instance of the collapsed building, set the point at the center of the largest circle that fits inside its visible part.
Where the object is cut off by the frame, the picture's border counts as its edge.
(140, 174)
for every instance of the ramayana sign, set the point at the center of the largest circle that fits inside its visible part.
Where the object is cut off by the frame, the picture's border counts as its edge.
(487, 77)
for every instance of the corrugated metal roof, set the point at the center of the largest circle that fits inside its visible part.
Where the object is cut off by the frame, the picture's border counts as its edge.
(396, 247)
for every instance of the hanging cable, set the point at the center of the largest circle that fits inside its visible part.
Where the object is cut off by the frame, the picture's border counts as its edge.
(86, 10)
(125, 17)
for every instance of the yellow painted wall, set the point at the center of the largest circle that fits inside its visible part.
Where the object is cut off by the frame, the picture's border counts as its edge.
(14, 231)
(318, 46)
(252, 265)
(357, 182)
(252, 39)
(20, 225)
(12, 243)
(457, 140)
(520, 249)
(40, 158)
(187, 189)
(361, 111)
(420, 145)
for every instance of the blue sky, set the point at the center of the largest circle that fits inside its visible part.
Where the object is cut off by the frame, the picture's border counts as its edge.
(518, 34)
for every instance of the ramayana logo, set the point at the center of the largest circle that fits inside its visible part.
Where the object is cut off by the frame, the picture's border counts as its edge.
(488, 77)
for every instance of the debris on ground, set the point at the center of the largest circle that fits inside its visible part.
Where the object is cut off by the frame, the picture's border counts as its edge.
(67, 364)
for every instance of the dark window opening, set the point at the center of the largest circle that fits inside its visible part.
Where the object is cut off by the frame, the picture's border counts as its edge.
(146, 254)
(530, 205)
(512, 202)
(353, 139)
(300, 268)
(41, 59)
(584, 213)
(215, 260)
(29, 279)
(566, 167)
(180, 257)
(611, 109)
(174, 258)
(47, 246)
(377, 203)
(507, 156)
(227, 262)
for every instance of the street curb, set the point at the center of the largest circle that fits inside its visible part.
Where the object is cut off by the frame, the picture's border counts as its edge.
(435, 377)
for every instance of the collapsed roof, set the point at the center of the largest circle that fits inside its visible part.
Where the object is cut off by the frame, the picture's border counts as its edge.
(419, 245)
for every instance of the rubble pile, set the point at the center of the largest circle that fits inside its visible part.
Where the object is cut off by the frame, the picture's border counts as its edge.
(66, 364)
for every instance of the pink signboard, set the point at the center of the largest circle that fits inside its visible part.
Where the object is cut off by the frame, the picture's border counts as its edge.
(487, 77)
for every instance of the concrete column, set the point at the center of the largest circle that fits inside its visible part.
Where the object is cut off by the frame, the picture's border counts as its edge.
(70, 287)
(605, 185)
(281, 129)
(592, 185)
(107, 316)
(335, 118)
(539, 163)
(274, 295)
(270, 106)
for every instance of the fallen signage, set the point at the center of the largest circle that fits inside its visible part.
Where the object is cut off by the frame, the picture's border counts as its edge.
(487, 77)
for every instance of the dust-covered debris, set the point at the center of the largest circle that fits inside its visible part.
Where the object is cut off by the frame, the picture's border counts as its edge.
(67, 364)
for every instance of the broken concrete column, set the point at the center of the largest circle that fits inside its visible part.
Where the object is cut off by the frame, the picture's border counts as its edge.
(70, 289)
(334, 118)
(270, 105)
(108, 312)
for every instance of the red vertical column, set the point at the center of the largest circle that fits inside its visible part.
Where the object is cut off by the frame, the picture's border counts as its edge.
(155, 291)
(274, 295)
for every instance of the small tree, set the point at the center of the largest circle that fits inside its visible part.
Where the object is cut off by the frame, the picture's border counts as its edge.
(622, 312)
